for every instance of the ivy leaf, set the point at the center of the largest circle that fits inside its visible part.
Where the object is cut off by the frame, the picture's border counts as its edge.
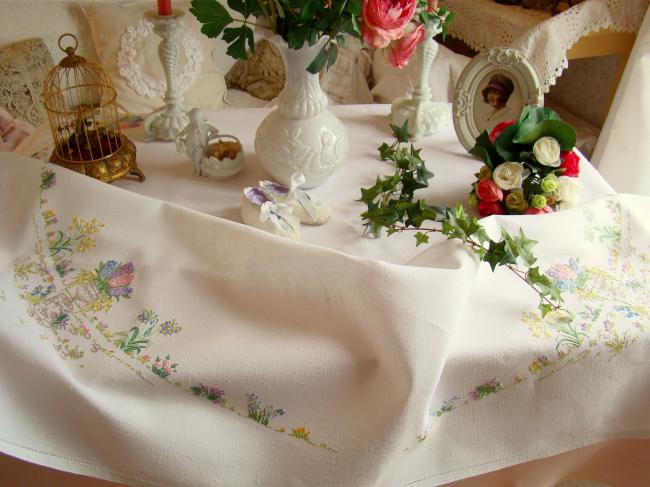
(544, 284)
(496, 254)
(385, 152)
(421, 238)
(331, 55)
(401, 133)
(214, 16)
(423, 174)
(544, 308)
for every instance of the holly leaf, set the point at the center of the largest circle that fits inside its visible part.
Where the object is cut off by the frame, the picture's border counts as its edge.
(214, 16)
(401, 133)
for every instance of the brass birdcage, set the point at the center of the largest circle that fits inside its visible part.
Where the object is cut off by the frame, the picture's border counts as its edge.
(81, 105)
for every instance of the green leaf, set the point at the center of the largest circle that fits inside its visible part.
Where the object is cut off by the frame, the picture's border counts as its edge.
(401, 133)
(497, 254)
(562, 132)
(236, 39)
(484, 150)
(544, 308)
(319, 61)
(214, 16)
(421, 238)
(386, 152)
(505, 145)
(423, 174)
(333, 53)
(530, 117)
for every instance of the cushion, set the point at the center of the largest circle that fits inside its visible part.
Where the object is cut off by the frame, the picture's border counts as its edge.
(262, 74)
(391, 83)
(128, 51)
(23, 68)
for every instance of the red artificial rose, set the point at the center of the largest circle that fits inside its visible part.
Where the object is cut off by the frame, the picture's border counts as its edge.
(570, 164)
(487, 190)
(539, 211)
(498, 128)
(487, 208)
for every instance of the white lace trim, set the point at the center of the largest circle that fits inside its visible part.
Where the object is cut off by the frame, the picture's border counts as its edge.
(142, 83)
(544, 39)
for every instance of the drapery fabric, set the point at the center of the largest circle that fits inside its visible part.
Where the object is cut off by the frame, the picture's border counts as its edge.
(620, 154)
(542, 38)
(152, 344)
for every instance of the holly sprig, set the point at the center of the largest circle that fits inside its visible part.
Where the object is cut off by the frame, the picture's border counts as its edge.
(392, 206)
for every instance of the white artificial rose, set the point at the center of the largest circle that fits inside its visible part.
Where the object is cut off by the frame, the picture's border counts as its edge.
(568, 191)
(508, 175)
(547, 151)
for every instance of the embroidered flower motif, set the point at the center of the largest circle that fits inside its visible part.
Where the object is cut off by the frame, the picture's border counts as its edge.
(170, 327)
(261, 414)
(48, 178)
(301, 433)
(486, 389)
(163, 368)
(536, 366)
(113, 278)
(60, 321)
(214, 394)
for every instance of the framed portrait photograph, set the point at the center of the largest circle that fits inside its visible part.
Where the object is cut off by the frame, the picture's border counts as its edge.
(493, 88)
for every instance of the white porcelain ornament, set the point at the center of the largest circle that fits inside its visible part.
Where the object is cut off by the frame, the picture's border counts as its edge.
(216, 160)
(301, 135)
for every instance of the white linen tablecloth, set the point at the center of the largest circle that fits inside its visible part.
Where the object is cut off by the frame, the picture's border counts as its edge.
(145, 342)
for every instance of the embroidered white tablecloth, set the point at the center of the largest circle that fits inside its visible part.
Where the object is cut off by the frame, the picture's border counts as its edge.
(149, 343)
(544, 39)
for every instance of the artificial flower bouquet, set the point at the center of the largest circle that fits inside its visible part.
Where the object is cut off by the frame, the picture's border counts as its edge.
(398, 24)
(530, 168)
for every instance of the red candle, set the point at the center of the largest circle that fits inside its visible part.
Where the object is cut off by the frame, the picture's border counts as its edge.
(164, 7)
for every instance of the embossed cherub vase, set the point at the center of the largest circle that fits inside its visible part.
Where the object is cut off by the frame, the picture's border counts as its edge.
(301, 134)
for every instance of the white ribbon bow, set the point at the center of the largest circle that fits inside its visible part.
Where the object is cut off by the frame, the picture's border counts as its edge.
(299, 195)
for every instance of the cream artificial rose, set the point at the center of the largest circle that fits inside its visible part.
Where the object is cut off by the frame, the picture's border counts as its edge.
(568, 191)
(547, 151)
(508, 175)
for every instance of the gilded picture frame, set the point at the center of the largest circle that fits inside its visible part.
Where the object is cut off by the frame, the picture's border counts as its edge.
(494, 87)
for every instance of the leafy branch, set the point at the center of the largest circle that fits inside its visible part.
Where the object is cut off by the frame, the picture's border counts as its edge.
(391, 205)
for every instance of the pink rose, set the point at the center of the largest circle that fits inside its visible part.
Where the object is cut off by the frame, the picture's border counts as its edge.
(487, 190)
(402, 50)
(539, 211)
(498, 128)
(570, 164)
(487, 208)
(385, 20)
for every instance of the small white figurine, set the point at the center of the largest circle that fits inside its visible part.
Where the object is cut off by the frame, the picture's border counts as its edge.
(219, 160)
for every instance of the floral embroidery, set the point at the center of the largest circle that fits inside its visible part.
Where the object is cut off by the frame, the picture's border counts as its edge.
(163, 368)
(537, 365)
(261, 414)
(64, 301)
(491, 387)
(48, 178)
(447, 406)
(112, 278)
(213, 394)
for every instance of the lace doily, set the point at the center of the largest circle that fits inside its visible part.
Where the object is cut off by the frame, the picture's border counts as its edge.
(545, 40)
(142, 83)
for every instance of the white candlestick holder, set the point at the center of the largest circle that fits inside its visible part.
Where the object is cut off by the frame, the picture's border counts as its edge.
(167, 121)
(425, 117)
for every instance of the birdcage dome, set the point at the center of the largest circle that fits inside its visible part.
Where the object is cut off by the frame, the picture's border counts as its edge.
(81, 104)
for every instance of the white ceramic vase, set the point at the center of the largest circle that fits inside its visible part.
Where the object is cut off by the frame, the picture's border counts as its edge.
(425, 117)
(301, 134)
